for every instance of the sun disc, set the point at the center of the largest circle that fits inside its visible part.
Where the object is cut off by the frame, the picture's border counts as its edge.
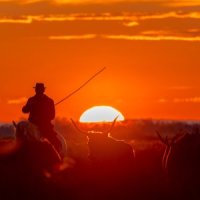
(101, 114)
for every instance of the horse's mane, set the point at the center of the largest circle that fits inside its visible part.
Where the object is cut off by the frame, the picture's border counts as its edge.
(27, 130)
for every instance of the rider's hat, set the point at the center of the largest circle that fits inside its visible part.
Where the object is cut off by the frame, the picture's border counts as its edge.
(39, 86)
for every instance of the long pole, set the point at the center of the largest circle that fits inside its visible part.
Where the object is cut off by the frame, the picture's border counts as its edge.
(85, 83)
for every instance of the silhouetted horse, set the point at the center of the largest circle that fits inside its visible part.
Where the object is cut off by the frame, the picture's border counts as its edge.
(26, 164)
(38, 152)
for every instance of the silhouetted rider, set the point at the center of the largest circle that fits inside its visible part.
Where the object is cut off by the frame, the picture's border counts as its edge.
(41, 111)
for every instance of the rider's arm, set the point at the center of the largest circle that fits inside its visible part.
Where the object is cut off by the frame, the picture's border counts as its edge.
(26, 108)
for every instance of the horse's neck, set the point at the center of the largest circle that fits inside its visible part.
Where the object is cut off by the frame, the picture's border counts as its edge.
(28, 131)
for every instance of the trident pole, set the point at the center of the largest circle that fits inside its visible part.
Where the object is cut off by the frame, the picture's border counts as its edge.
(85, 83)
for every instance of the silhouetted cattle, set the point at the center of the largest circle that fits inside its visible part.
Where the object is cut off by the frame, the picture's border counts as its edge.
(181, 161)
(110, 156)
(108, 149)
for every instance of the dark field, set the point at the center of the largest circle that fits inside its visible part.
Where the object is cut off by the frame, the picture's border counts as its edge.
(81, 178)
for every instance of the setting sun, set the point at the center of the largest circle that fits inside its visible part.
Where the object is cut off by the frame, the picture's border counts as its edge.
(101, 114)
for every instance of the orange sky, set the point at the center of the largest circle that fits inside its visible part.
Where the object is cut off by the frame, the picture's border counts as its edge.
(150, 48)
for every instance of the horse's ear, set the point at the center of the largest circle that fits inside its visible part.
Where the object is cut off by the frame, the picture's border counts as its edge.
(14, 123)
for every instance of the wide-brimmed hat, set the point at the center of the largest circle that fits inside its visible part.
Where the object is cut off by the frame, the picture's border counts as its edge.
(39, 85)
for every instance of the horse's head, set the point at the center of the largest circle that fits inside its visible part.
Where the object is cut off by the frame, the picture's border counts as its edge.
(26, 131)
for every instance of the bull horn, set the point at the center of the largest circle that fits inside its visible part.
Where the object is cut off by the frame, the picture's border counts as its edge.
(112, 126)
(77, 128)
(14, 123)
(165, 141)
(177, 137)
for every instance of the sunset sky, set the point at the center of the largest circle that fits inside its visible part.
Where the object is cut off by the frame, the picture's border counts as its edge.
(150, 48)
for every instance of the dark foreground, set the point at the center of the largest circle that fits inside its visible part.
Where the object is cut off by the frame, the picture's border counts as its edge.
(145, 179)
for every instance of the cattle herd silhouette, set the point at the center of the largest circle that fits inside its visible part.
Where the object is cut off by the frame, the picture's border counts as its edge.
(102, 167)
